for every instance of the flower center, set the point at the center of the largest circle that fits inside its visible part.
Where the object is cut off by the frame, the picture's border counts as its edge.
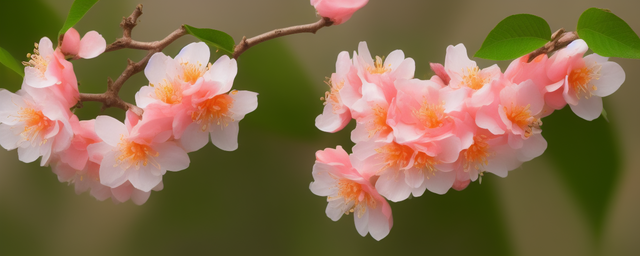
(473, 79)
(35, 123)
(426, 164)
(379, 122)
(36, 61)
(214, 110)
(431, 115)
(521, 116)
(191, 72)
(168, 92)
(352, 191)
(334, 95)
(476, 155)
(379, 67)
(395, 156)
(133, 154)
(580, 78)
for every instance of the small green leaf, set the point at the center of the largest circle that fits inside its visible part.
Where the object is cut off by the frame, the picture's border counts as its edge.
(7, 59)
(608, 35)
(78, 9)
(215, 38)
(514, 37)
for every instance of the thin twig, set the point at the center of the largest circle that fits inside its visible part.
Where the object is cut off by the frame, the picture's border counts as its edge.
(110, 98)
(560, 39)
(245, 43)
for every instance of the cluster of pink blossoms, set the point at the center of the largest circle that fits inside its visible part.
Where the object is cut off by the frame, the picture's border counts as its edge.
(188, 101)
(414, 135)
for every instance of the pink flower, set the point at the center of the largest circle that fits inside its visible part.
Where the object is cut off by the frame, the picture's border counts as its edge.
(336, 115)
(51, 75)
(36, 128)
(338, 11)
(213, 112)
(91, 45)
(585, 80)
(138, 152)
(349, 191)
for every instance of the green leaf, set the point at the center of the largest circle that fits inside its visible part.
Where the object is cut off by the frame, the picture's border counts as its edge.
(78, 9)
(7, 59)
(514, 37)
(608, 35)
(215, 38)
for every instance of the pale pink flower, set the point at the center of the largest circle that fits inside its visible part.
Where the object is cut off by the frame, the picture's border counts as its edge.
(336, 115)
(381, 72)
(138, 152)
(339, 11)
(212, 111)
(465, 74)
(35, 128)
(585, 80)
(90, 46)
(349, 191)
(49, 75)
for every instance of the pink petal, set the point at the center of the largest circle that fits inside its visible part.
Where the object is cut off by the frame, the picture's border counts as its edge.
(111, 174)
(92, 45)
(588, 109)
(440, 182)
(244, 102)
(71, 42)
(194, 53)
(171, 157)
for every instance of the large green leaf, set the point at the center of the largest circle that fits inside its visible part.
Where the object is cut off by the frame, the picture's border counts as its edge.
(215, 38)
(78, 9)
(8, 60)
(588, 159)
(515, 36)
(608, 35)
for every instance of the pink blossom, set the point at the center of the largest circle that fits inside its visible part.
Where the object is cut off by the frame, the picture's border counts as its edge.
(584, 81)
(138, 152)
(213, 112)
(349, 191)
(382, 72)
(90, 46)
(49, 73)
(336, 115)
(338, 11)
(35, 128)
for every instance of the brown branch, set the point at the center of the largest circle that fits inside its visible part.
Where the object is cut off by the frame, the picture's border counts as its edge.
(111, 98)
(245, 43)
(560, 39)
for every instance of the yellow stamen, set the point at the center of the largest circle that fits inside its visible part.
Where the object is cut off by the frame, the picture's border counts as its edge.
(333, 95)
(580, 80)
(214, 111)
(168, 92)
(36, 61)
(379, 122)
(352, 191)
(379, 67)
(431, 115)
(35, 124)
(476, 155)
(134, 154)
(473, 79)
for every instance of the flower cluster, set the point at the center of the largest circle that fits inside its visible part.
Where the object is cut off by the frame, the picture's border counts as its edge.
(188, 101)
(415, 135)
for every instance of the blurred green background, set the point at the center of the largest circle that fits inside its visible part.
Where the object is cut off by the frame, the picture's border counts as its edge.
(579, 198)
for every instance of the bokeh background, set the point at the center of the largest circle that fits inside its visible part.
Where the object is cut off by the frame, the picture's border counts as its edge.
(579, 198)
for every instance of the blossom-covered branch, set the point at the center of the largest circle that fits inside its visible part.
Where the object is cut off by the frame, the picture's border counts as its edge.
(559, 40)
(308, 28)
(110, 98)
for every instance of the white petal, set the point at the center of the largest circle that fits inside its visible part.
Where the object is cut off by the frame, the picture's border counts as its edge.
(110, 130)
(144, 96)
(588, 109)
(334, 209)
(28, 154)
(378, 224)
(111, 174)
(194, 53)
(244, 102)
(225, 138)
(156, 70)
(171, 157)
(440, 182)
(194, 138)
(224, 70)
(394, 59)
(8, 140)
(362, 223)
(365, 55)
(144, 179)
(393, 186)
(611, 78)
